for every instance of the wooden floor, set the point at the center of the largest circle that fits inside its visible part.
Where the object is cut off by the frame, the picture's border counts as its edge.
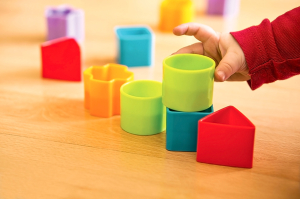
(50, 146)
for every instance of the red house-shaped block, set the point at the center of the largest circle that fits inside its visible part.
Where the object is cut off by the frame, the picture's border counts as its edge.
(226, 137)
(61, 59)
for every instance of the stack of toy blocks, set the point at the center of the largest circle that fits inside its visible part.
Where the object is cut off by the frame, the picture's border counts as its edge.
(135, 45)
(174, 13)
(61, 56)
(224, 137)
(187, 94)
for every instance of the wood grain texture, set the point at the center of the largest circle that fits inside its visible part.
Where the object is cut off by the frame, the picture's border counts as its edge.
(51, 147)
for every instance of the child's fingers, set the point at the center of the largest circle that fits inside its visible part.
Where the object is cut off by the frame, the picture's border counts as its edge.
(196, 48)
(229, 65)
(239, 76)
(180, 30)
(199, 31)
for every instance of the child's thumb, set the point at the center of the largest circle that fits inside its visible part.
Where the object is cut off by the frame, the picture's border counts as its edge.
(229, 65)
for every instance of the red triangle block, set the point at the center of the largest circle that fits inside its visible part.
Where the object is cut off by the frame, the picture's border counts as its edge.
(226, 137)
(61, 59)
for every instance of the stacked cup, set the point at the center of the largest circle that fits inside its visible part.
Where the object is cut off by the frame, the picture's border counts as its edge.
(187, 92)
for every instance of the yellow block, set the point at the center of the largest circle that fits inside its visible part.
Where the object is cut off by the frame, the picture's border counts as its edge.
(174, 13)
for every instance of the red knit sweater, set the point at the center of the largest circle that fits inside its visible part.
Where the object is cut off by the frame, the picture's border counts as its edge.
(272, 49)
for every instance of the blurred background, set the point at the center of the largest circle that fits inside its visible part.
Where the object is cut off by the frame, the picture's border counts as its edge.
(23, 25)
(23, 29)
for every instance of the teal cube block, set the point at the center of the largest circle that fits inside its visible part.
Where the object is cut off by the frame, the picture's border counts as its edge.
(135, 45)
(182, 129)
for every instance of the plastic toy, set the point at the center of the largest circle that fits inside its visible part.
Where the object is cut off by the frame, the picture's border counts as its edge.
(174, 13)
(182, 129)
(61, 59)
(142, 112)
(135, 45)
(102, 88)
(223, 7)
(226, 137)
(64, 21)
(188, 81)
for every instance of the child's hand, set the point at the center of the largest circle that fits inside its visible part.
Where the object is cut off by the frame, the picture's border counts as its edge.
(221, 47)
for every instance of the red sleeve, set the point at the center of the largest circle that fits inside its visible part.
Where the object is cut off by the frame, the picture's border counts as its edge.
(272, 49)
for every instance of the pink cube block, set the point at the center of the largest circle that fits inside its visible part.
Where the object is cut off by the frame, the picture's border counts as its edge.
(65, 21)
(223, 7)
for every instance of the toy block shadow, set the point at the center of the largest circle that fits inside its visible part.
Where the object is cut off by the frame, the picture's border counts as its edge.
(182, 130)
(65, 21)
(102, 88)
(61, 59)
(226, 137)
(135, 45)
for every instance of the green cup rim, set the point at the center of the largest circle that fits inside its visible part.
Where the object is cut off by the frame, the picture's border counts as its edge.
(140, 98)
(188, 55)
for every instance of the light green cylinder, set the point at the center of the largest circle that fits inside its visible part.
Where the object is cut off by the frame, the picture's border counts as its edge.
(188, 81)
(142, 111)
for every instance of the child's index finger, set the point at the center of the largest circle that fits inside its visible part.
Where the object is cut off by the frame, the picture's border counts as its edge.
(199, 31)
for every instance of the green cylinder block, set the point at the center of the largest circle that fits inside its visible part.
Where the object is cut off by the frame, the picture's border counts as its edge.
(188, 81)
(142, 111)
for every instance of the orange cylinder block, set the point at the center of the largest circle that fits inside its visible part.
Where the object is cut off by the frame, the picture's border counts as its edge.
(102, 88)
(174, 13)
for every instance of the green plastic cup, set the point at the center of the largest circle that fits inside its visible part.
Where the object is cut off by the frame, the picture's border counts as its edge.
(188, 81)
(142, 110)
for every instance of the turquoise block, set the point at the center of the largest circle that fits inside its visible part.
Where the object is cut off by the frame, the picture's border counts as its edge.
(182, 129)
(135, 45)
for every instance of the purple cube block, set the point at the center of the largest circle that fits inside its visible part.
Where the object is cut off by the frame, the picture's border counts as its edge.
(65, 21)
(223, 7)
